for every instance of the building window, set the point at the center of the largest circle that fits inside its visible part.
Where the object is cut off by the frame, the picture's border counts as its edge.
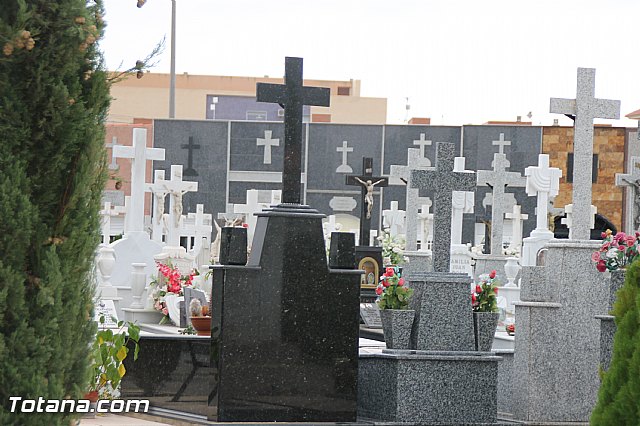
(594, 167)
(344, 91)
(257, 115)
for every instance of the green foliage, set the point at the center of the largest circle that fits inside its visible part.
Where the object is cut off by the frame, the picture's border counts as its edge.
(619, 395)
(53, 102)
(109, 351)
(392, 291)
(484, 296)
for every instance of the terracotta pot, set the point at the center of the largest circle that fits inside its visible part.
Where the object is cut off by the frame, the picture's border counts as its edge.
(396, 324)
(92, 396)
(484, 327)
(202, 325)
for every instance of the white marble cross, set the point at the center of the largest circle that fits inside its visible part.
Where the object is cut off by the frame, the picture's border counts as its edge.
(107, 213)
(516, 217)
(498, 180)
(425, 223)
(252, 206)
(414, 162)
(330, 226)
(422, 143)
(201, 231)
(267, 142)
(394, 219)
(632, 181)
(345, 150)
(139, 154)
(158, 219)
(543, 181)
(568, 221)
(585, 107)
(114, 163)
(462, 202)
(176, 187)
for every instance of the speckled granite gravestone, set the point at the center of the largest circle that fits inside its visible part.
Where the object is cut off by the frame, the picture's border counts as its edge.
(445, 381)
(278, 352)
(557, 353)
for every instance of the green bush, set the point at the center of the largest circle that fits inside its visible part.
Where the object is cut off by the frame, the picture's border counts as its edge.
(53, 103)
(619, 395)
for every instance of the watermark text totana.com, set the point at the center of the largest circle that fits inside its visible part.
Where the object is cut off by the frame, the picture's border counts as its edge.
(41, 405)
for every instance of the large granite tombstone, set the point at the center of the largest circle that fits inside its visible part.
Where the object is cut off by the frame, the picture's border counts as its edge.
(280, 350)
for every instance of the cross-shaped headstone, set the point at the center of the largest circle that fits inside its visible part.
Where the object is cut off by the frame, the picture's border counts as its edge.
(443, 181)
(585, 107)
(252, 206)
(632, 180)
(501, 143)
(190, 171)
(176, 187)
(159, 190)
(267, 142)
(114, 163)
(568, 220)
(462, 202)
(543, 181)
(516, 217)
(425, 224)
(422, 143)
(414, 162)
(345, 150)
(367, 182)
(499, 179)
(394, 219)
(201, 231)
(139, 154)
(292, 96)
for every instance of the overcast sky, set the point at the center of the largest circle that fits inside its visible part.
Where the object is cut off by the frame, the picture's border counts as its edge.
(458, 62)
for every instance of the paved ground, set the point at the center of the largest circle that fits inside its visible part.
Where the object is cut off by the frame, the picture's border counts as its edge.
(113, 420)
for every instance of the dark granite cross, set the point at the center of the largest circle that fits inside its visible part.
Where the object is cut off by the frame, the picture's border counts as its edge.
(291, 96)
(190, 171)
(443, 181)
(367, 182)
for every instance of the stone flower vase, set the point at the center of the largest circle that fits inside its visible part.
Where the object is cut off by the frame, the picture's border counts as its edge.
(396, 325)
(484, 327)
(617, 281)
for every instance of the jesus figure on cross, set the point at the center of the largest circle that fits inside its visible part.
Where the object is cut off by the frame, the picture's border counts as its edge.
(368, 197)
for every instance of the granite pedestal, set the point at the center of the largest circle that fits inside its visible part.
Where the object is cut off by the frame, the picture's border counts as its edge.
(485, 263)
(557, 336)
(607, 322)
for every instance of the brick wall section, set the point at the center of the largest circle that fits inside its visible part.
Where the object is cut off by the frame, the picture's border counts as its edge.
(609, 144)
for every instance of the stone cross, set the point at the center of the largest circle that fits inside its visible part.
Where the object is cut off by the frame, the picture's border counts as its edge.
(543, 181)
(114, 163)
(501, 143)
(569, 220)
(585, 107)
(394, 219)
(345, 150)
(422, 143)
(443, 181)
(190, 171)
(498, 180)
(202, 232)
(252, 206)
(414, 162)
(632, 180)
(516, 217)
(367, 183)
(176, 188)
(139, 154)
(291, 96)
(158, 219)
(462, 202)
(425, 223)
(267, 142)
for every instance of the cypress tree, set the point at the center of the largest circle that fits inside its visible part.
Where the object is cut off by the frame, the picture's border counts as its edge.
(619, 394)
(53, 103)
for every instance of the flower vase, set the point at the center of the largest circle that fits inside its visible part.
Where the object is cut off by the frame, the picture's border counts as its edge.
(106, 263)
(138, 282)
(202, 325)
(511, 269)
(173, 306)
(396, 325)
(615, 283)
(484, 327)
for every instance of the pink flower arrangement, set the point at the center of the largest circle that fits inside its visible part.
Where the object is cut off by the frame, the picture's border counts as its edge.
(170, 280)
(392, 291)
(484, 294)
(616, 251)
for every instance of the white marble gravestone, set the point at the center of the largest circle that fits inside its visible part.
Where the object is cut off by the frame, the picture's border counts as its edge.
(516, 217)
(252, 206)
(201, 229)
(543, 181)
(159, 220)
(461, 202)
(631, 180)
(425, 225)
(393, 219)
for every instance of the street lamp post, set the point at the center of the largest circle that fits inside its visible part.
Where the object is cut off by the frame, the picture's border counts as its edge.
(172, 84)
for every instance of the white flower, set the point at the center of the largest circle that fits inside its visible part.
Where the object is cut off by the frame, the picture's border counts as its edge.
(612, 253)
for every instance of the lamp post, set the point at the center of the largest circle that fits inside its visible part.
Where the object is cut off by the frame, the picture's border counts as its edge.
(172, 78)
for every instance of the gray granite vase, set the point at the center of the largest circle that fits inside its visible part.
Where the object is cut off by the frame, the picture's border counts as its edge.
(396, 324)
(484, 326)
(617, 281)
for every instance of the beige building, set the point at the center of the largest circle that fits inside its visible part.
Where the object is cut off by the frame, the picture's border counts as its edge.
(200, 97)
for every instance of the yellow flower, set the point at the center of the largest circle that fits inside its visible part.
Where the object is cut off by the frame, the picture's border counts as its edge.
(121, 370)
